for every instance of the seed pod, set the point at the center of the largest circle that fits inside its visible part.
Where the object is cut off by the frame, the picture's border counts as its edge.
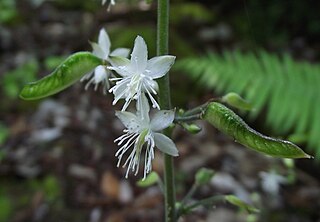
(231, 124)
(67, 73)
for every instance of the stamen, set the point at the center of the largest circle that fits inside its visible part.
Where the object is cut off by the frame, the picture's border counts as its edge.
(153, 101)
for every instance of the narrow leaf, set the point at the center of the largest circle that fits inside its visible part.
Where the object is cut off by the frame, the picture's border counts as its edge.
(151, 179)
(241, 204)
(231, 124)
(67, 73)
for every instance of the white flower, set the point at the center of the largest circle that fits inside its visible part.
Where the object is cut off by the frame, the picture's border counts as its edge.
(102, 50)
(112, 2)
(138, 74)
(271, 181)
(139, 131)
(100, 75)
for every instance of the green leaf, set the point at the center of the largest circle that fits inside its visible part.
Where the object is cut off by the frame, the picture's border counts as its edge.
(67, 73)
(150, 180)
(203, 176)
(233, 99)
(241, 204)
(231, 124)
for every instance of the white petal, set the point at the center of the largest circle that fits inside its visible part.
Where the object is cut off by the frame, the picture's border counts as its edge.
(129, 120)
(97, 51)
(123, 52)
(104, 41)
(161, 120)
(121, 70)
(165, 144)
(117, 61)
(159, 66)
(100, 74)
(119, 90)
(139, 56)
(86, 76)
(120, 65)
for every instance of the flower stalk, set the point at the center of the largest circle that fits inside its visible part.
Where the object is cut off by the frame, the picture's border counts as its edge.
(165, 103)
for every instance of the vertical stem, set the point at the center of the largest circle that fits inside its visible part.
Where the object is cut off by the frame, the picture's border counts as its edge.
(165, 103)
(163, 49)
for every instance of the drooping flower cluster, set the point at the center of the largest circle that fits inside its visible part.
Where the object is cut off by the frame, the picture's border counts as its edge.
(102, 50)
(134, 80)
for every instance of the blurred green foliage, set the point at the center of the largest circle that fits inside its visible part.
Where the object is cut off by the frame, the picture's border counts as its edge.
(5, 206)
(190, 11)
(125, 38)
(271, 22)
(288, 89)
(4, 133)
(49, 186)
(52, 62)
(17, 195)
(12, 81)
(8, 11)
(284, 19)
(203, 176)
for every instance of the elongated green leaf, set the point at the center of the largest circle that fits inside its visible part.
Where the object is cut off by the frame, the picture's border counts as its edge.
(241, 204)
(67, 73)
(231, 124)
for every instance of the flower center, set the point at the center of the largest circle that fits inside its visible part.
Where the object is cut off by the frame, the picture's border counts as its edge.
(135, 85)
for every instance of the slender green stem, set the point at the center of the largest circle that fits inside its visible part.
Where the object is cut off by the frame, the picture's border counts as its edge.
(199, 109)
(204, 202)
(169, 194)
(163, 49)
(187, 118)
(165, 103)
(196, 110)
(182, 209)
(190, 193)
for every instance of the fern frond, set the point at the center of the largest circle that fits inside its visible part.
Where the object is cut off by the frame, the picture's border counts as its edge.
(289, 90)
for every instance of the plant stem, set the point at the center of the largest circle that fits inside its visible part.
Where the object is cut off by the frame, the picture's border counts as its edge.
(165, 103)
(199, 109)
(205, 202)
(187, 118)
(163, 49)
